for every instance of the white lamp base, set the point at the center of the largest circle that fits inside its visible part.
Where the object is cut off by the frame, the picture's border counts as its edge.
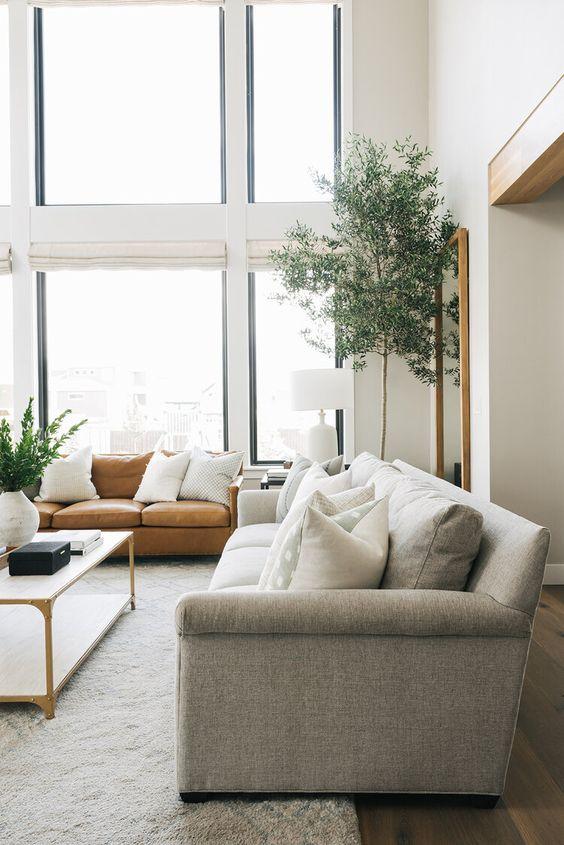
(322, 441)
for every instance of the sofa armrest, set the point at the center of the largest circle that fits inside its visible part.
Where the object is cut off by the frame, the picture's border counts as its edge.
(381, 613)
(234, 490)
(257, 506)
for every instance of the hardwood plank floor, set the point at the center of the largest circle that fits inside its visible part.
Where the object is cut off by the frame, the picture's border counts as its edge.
(531, 811)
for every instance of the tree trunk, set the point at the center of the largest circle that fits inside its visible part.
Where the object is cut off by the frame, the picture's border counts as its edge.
(384, 406)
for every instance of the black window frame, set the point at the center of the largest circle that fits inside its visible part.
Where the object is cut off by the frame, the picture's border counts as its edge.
(39, 111)
(253, 390)
(337, 144)
(41, 278)
(250, 94)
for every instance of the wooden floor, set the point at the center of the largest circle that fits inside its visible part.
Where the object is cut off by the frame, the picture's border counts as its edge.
(532, 807)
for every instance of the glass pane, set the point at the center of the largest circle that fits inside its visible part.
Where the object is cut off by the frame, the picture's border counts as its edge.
(132, 110)
(293, 86)
(280, 349)
(6, 350)
(140, 355)
(4, 110)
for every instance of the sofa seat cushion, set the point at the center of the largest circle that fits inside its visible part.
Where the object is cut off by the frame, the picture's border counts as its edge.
(46, 511)
(186, 515)
(239, 568)
(99, 513)
(250, 536)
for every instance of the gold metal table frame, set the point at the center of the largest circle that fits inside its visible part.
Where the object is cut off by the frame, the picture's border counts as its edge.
(30, 596)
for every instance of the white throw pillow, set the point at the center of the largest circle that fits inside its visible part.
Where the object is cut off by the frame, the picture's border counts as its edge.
(69, 479)
(162, 478)
(208, 479)
(316, 478)
(276, 569)
(344, 552)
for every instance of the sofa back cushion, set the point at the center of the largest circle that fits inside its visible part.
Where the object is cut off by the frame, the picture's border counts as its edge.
(433, 539)
(118, 476)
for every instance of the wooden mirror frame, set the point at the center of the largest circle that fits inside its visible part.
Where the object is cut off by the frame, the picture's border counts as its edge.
(460, 241)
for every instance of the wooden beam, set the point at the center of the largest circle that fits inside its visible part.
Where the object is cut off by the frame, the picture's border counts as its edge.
(533, 158)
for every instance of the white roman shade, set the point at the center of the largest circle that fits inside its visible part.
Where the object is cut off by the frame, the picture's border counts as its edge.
(168, 255)
(5, 255)
(258, 253)
(43, 4)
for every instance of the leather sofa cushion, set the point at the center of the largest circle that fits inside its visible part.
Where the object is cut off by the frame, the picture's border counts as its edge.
(118, 476)
(261, 535)
(188, 514)
(239, 568)
(99, 513)
(46, 511)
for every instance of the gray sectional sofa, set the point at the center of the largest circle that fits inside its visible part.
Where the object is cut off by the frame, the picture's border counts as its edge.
(355, 691)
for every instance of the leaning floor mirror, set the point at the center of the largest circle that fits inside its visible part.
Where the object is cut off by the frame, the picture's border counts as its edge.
(452, 388)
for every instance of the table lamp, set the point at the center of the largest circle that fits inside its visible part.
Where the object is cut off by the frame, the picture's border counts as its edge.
(321, 390)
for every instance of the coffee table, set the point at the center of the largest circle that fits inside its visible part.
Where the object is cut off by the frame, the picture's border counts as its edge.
(39, 653)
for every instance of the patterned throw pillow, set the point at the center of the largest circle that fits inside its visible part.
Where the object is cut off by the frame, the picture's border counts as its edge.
(328, 505)
(300, 466)
(345, 551)
(208, 479)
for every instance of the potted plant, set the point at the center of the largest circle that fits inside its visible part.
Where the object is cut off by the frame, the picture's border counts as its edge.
(373, 280)
(22, 463)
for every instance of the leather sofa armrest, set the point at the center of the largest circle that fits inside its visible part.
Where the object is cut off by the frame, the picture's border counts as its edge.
(381, 613)
(234, 489)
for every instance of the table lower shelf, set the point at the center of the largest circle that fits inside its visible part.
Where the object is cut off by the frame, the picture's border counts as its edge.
(79, 622)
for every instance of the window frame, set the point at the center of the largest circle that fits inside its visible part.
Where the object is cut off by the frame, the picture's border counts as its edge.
(41, 278)
(236, 221)
(253, 391)
(250, 94)
(42, 354)
(39, 114)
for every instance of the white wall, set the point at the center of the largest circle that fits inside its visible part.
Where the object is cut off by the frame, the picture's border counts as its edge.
(489, 66)
(390, 62)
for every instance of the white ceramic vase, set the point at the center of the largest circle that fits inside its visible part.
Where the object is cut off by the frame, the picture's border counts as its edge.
(19, 519)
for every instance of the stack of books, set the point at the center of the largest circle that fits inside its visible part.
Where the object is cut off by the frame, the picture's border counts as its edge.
(81, 542)
(277, 475)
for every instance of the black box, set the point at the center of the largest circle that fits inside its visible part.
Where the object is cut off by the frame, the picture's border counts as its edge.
(43, 558)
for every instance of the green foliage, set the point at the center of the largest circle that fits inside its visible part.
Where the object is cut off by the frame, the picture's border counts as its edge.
(22, 463)
(373, 280)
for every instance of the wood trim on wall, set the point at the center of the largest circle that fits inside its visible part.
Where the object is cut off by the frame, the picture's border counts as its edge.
(532, 160)
(459, 241)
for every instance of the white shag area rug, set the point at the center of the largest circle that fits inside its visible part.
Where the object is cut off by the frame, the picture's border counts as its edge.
(103, 771)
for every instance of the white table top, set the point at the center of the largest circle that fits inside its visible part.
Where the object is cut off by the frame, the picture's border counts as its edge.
(25, 588)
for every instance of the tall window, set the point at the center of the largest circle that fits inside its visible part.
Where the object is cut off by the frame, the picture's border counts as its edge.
(4, 109)
(291, 76)
(278, 347)
(139, 354)
(131, 104)
(6, 351)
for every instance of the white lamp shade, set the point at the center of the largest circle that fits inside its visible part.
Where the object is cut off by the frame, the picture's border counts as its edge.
(312, 390)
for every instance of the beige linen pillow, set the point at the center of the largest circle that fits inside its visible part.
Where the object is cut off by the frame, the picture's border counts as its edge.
(329, 505)
(162, 478)
(68, 480)
(433, 539)
(347, 551)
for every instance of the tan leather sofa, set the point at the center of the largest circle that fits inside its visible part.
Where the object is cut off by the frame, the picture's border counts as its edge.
(165, 528)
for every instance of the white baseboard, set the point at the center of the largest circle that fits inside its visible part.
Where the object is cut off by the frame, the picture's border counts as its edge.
(554, 573)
